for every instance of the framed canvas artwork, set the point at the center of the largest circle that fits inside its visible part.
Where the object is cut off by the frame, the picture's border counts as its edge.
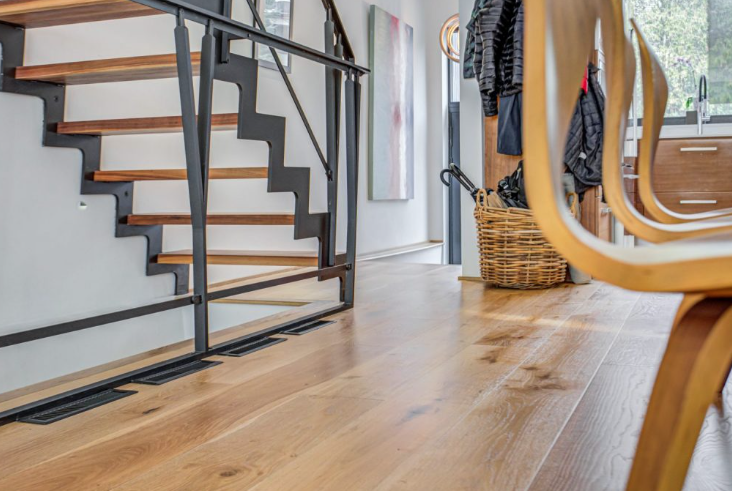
(391, 110)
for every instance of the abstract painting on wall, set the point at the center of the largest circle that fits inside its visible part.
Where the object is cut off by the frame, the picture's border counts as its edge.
(391, 122)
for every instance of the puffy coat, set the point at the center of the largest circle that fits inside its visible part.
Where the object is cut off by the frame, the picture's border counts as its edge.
(512, 59)
(498, 57)
(583, 153)
(469, 54)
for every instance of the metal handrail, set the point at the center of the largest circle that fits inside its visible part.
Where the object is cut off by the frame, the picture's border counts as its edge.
(242, 31)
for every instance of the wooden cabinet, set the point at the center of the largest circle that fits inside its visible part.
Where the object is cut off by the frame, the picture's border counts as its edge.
(693, 175)
(700, 165)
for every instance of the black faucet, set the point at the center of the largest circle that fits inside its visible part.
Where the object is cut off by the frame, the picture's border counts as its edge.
(702, 106)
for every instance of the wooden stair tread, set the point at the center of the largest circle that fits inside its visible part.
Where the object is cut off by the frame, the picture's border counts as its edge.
(244, 258)
(109, 70)
(178, 174)
(139, 126)
(213, 219)
(45, 13)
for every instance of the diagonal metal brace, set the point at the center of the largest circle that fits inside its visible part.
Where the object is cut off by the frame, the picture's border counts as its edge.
(291, 89)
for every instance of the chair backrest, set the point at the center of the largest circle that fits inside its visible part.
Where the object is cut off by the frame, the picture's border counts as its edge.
(559, 41)
(621, 79)
(655, 99)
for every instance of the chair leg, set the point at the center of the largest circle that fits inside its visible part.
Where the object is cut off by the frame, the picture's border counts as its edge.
(697, 358)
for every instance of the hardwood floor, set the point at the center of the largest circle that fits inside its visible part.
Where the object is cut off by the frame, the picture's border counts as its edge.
(429, 384)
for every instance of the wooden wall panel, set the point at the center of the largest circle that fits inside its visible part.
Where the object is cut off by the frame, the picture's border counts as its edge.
(497, 166)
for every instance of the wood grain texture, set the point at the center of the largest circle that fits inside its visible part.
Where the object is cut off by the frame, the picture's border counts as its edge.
(140, 126)
(701, 172)
(109, 70)
(244, 258)
(247, 456)
(679, 201)
(693, 369)
(596, 448)
(428, 384)
(178, 174)
(213, 219)
(45, 13)
(496, 165)
(501, 442)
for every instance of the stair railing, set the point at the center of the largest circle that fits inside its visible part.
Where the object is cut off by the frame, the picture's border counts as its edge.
(197, 131)
(338, 60)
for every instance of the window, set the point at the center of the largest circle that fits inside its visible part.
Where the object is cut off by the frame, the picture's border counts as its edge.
(691, 38)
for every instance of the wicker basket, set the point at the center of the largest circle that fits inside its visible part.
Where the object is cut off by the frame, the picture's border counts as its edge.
(513, 251)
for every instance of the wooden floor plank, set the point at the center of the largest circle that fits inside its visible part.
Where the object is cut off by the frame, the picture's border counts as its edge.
(74, 381)
(596, 448)
(248, 455)
(113, 462)
(428, 384)
(518, 422)
(151, 404)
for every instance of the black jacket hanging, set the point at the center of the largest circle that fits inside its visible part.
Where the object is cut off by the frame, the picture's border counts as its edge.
(583, 153)
(498, 56)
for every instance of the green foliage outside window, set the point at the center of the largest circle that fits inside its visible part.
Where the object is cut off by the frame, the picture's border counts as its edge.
(691, 38)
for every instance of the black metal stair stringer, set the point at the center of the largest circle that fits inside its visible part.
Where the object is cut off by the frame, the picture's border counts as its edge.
(12, 40)
(254, 126)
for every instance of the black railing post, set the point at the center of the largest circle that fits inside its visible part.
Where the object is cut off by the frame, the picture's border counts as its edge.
(353, 118)
(332, 115)
(205, 105)
(196, 186)
(225, 38)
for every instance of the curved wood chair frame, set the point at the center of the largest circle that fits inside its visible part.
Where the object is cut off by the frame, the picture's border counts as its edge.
(680, 266)
(559, 38)
(613, 177)
(655, 97)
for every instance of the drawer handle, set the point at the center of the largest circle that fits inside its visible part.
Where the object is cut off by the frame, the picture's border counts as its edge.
(698, 202)
(699, 149)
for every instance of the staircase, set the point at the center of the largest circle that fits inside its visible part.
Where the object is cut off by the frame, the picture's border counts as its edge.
(49, 82)
(214, 62)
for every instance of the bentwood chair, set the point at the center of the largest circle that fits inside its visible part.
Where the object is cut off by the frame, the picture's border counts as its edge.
(655, 97)
(559, 40)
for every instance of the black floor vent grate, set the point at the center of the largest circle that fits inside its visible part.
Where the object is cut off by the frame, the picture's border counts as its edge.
(170, 374)
(252, 346)
(307, 327)
(76, 407)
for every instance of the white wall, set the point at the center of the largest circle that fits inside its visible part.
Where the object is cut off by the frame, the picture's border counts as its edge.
(59, 262)
(471, 153)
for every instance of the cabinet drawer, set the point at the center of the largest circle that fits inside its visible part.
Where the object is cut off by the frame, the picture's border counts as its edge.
(695, 202)
(697, 165)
